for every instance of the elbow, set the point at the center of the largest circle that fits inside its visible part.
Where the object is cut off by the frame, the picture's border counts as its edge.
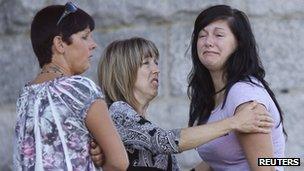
(117, 166)
(124, 166)
(264, 168)
(272, 169)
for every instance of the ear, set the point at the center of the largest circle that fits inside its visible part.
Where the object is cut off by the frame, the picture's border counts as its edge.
(58, 44)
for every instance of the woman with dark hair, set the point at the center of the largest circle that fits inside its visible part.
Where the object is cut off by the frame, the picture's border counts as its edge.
(226, 74)
(59, 111)
(128, 73)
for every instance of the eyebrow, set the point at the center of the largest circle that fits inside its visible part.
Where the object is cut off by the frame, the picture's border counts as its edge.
(216, 28)
(87, 31)
(220, 28)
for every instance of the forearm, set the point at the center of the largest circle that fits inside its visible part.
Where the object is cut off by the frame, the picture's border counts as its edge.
(203, 166)
(194, 136)
(256, 146)
(101, 127)
(109, 167)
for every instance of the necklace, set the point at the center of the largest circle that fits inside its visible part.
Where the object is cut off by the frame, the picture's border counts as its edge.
(52, 69)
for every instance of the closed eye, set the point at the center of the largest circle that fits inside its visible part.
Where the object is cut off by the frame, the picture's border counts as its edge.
(156, 62)
(145, 63)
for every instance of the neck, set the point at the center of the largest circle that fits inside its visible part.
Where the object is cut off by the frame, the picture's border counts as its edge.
(142, 105)
(56, 67)
(219, 82)
(142, 109)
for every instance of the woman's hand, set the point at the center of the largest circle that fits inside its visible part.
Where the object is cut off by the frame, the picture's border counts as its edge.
(252, 119)
(96, 154)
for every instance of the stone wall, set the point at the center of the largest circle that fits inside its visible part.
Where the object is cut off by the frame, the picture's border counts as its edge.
(278, 28)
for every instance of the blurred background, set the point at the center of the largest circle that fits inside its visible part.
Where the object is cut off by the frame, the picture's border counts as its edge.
(277, 25)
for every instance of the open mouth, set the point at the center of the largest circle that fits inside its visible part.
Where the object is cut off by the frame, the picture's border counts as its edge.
(155, 82)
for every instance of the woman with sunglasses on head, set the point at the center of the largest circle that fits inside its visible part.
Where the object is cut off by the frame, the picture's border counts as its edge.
(59, 111)
(128, 73)
(227, 73)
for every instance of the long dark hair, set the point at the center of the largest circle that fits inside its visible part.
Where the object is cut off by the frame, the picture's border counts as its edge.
(240, 66)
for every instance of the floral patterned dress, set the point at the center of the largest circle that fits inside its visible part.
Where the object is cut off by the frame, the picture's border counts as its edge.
(147, 144)
(50, 132)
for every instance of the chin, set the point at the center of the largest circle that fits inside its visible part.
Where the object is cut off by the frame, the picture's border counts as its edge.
(81, 71)
(155, 94)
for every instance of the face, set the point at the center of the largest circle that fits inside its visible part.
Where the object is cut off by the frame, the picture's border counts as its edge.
(146, 84)
(79, 52)
(215, 44)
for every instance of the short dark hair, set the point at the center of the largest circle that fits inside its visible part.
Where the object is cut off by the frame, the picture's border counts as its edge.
(44, 28)
(242, 63)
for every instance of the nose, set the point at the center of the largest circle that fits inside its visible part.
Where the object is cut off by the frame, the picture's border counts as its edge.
(93, 45)
(155, 69)
(209, 41)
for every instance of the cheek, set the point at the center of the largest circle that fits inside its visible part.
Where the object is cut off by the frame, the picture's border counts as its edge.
(231, 49)
(199, 44)
(199, 47)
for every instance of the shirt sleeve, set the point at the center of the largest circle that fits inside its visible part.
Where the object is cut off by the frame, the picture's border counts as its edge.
(78, 93)
(242, 92)
(138, 133)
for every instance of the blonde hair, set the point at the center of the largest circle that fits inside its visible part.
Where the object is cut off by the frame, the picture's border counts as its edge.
(118, 66)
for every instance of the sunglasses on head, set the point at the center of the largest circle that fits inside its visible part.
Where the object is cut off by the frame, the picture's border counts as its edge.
(69, 8)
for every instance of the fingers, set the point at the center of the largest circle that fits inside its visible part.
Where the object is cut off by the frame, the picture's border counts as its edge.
(98, 160)
(98, 164)
(253, 104)
(265, 124)
(263, 130)
(97, 157)
(265, 118)
(95, 151)
(96, 154)
(93, 144)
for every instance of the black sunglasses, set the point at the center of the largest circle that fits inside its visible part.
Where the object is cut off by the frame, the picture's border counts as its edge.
(69, 8)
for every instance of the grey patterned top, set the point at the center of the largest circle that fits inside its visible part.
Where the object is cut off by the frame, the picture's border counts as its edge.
(146, 144)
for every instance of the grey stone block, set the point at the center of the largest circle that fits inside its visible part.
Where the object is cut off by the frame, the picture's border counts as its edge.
(280, 50)
(8, 115)
(276, 8)
(237, 4)
(18, 65)
(17, 18)
(292, 104)
(170, 113)
(180, 59)
(116, 13)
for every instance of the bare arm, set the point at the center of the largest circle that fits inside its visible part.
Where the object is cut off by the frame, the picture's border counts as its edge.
(256, 145)
(101, 126)
(203, 166)
(245, 120)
